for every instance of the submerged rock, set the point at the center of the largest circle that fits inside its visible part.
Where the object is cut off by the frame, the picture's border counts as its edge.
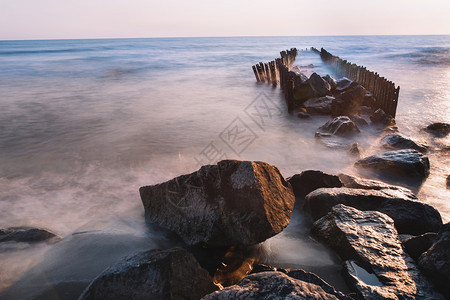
(340, 126)
(231, 203)
(319, 85)
(396, 141)
(410, 215)
(27, 234)
(310, 180)
(320, 105)
(271, 285)
(154, 274)
(399, 163)
(438, 129)
(370, 239)
(349, 101)
(436, 260)
(417, 245)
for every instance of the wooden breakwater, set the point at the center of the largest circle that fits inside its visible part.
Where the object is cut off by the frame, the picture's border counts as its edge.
(384, 91)
(279, 71)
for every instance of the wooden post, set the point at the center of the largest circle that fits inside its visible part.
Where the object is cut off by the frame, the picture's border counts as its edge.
(256, 73)
(269, 79)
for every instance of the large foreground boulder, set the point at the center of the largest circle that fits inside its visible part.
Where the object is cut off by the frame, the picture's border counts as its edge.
(396, 141)
(436, 260)
(271, 285)
(310, 180)
(231, 203)
(410, 215)
(399, 163)
(340, 126)
(27, 234)
(369, 240)
(154, 274)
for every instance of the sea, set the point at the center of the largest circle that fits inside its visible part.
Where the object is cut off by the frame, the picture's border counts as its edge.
(85, 123)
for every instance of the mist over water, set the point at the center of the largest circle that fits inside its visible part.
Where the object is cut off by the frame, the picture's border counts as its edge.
(85, 123)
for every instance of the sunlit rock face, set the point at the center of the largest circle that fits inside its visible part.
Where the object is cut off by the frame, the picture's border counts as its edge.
(154, 274)
(271, 285)
(380, 269)
(231, 203)
(410, 215)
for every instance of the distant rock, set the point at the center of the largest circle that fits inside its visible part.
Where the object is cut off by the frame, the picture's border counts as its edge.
(331, 81)
(310, 180)
(340, 126)
(378, 267)
(154, 274)
(379, 117)
(320, 105)
(319, 85)
(436, 261)
(303, 115)
(349, 101)
(369, 184)
(438, 129)
(396, 141)
(344, 83)
(271, 285)
(231, 203)
(410, 215)
(27, 235)
(399, 163)
(417, 245)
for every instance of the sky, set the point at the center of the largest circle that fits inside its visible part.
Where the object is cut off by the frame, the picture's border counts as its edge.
(56, 19)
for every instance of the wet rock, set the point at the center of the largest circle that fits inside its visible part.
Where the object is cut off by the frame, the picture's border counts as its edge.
(399, 163)
(435, 262)
(27, 235)
(360, 121)
(231, 203)
(340, 126)
(369, 184)
(303, 115)
(448, 182)
(396, 141)
(438, 129)
(417, 245)
(154, 274)
(331, 81)
(310, 180)
(379, 117)
(355, 150)
(319, 85)
(349, 101)
(344, 84)
(369, 239)
(320, 105)
(410, 215)
(314, 279)
(271, 285)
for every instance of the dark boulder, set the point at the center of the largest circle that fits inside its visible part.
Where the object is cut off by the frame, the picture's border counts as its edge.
(320, 105)
(349, 101)
(303, 92)
(355, 150)
(331, 81)
(399, 163)
(369, 240)
(340, 126)
(396, 141)
(379, 117)
(271, 285)
(448, 182)
(319, 85)
(27, 234)
(438, 129)
(435, 262)
(231, 203)
(344, 83)
(154, 274)
(303, 115)
(369, 184)
(417, 245)
(310, 180)
(410, 215)
(360, 121)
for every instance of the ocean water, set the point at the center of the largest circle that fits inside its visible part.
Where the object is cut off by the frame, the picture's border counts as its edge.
(85, 123)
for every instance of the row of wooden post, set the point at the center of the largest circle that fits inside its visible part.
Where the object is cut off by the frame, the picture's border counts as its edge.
(270, 72)
(384, 91)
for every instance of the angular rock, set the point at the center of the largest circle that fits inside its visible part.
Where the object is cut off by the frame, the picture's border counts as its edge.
(438, 129)
(310, 180)
(154, 274)
(399, 163)
(370, 239)
(271, 285)
(319, 85)
(379, 117)
(314, 279)
(339, 126)
(320, 105)
(27, 234)
(417, 245)
(349, 101)
(369, 184)
(410, 215)
(231, 203)
(396, 141)
(343, 84)
(435, 262)
(331, 81)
